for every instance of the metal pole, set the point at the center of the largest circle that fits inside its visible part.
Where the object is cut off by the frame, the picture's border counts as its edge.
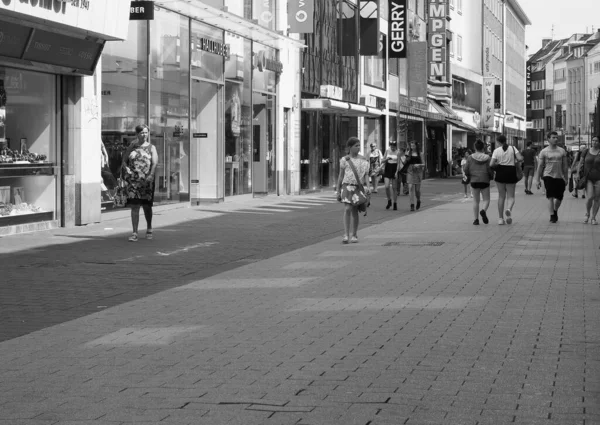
(579, 137)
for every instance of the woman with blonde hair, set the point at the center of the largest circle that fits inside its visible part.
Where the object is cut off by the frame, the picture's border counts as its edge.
(353, 187)
(505, 160)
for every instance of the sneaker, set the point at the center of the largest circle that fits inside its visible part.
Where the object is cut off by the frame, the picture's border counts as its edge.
(508, 214)
(412, 207)
(484, 217)
(345, 240)
(418, 205)
(149, 235)
(476, 222)
(553, 218)
(574, 195)
(466, 196)
(594, 222)
(389, 204)
(587, 219)
(501, 222)
(556, 215)
(395, 206)
(133, 237)
(354, 239)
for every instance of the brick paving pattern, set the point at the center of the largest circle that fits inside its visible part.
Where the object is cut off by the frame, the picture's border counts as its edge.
(497, 324)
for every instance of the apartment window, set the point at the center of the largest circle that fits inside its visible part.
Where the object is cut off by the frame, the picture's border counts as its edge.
(459, 47)
(459, 92)
(537, 104)
(549, 101)
(452, 45)
(375, 67)
(549, 123)
(538, 123)
(596, 67)
(538, 85)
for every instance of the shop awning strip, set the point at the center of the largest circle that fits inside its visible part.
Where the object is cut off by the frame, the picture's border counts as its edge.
(463, 125)
(230, 22)
(444, 110)
(330, 106)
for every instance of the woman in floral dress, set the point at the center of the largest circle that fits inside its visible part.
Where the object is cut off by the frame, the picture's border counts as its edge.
(348, 188)
(139, 164)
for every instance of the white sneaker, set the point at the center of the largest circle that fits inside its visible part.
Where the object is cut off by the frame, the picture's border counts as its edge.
(501, 221)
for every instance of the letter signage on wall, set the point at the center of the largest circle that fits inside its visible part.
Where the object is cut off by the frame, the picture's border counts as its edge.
(487, 110)
(437, 39)
(301, 16)
(398, 16)
(528, 86)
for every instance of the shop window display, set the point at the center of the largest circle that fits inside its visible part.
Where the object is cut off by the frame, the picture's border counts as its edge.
(238, 116)
(27, 147)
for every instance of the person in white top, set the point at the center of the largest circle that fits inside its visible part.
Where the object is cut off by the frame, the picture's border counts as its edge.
(504, 162)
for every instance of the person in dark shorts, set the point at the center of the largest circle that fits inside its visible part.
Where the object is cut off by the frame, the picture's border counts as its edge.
(554, 169)
(529, 167)
(478, 170)
(504, 160)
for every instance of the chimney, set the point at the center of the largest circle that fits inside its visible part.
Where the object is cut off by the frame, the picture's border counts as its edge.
(545, 42)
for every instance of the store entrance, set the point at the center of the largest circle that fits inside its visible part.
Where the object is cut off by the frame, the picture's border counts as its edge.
(264, 153)
(208, 168)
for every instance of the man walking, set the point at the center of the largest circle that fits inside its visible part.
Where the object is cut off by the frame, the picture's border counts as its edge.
(529, 167)
(554, 168)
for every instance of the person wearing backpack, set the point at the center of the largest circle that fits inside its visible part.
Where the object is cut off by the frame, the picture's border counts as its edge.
(478, 172)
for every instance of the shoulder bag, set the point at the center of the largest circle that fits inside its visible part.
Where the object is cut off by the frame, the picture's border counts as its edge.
(362, 199)
(518, 167)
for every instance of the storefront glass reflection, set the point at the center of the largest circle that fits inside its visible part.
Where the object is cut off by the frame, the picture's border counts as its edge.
(124, 99)
(169, 107)
(238, 116)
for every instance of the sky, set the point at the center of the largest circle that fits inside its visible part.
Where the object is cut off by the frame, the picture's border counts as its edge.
(568, 17)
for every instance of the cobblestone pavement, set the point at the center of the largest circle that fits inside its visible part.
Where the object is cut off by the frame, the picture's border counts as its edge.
(427, 320)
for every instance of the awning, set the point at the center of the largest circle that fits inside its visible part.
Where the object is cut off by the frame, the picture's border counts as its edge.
(463, 125)
(442, 109)
(329, 106)
(230, 22)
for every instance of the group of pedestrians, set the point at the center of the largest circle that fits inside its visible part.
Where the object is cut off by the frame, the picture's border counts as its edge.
(402, 171)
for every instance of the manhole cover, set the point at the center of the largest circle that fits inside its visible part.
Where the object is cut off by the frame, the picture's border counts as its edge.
(413, 244)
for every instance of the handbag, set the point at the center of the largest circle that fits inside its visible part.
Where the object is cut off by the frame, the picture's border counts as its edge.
(363, 198)
(518, 167)
(120, 198)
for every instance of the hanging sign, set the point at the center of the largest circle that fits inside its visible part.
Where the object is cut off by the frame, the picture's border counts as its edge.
(369, 27)
(397, 28)
(437, 39)
(301, 16)
(141, 11)
(487, 119)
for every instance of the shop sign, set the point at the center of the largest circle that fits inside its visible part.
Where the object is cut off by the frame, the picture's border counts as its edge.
(215, 47)
(332, 92)
(61, 50)
(301, 16)
(141, 11)
(529, 125)
(397, 18)
(380, 103)
(417, 69)
(497, 96)
(528, 86)
(200, 135)
(488, 61)
(106, 18)
(263, 63)
(13, 39)
(437, 39)
(369, 27)
(509, 119)
(488, 102)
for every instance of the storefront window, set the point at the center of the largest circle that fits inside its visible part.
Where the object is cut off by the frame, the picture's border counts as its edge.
(375, 67)
(373, 134)
(169, 105)
(238, 116)
(28, 152)
(206, 64)
(264, 80)
(124, 99)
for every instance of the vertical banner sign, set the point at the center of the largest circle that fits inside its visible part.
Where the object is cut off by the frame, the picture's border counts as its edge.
(348, 17)
(497, 96)
(528, 86)
(437, 39)
(417, 69)
(301, 16)
(398, 16)
(369, 27)
(487, 110)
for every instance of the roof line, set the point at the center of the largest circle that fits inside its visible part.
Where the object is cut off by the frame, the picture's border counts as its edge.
(520, 12)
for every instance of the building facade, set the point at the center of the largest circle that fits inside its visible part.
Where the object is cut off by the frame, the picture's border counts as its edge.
(49, 109)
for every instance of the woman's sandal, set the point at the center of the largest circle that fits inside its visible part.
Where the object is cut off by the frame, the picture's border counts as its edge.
(133, 238)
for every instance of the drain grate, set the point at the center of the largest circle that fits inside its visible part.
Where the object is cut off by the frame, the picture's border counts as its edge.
(414, 244)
